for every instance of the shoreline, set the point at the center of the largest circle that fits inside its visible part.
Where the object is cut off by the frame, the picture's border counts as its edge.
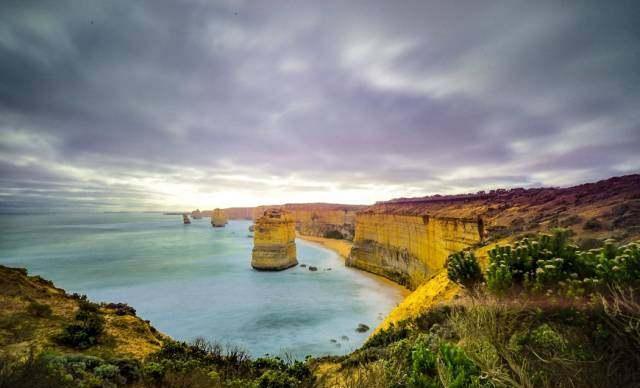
(342, 248)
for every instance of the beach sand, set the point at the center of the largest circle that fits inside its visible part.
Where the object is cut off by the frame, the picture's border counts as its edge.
(342, 248)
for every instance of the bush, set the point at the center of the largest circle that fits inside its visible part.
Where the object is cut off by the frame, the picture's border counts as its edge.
(335, 234)
(550, 264)
(463, 268)
(121, 308)
(34, 372)
(387, 336)
(276, 379)
(39, 310)
(449, 367)
(592, 224)
(86, 332)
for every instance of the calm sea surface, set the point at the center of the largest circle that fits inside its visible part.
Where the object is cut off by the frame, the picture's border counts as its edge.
(194, 280)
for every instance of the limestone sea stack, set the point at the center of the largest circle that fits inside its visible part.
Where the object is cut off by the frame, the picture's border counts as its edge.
(218, 218)
(274, 246)
(185, 219)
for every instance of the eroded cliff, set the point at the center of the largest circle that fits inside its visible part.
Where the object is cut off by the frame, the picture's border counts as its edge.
(409, 249)
(409, 239)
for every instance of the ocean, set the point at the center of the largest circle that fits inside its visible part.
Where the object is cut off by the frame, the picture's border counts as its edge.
(196, 281)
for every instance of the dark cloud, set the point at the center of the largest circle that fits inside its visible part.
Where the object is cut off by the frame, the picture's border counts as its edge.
(160, 104)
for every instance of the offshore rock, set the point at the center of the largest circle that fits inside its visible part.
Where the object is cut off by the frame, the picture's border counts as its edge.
(185, 219)
(274, 246)
(218, 218)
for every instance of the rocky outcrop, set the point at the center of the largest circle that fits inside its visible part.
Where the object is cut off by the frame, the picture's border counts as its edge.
(185, 219)
(218, 218)
(409, 239)
(274, 246)
(320, 219)
(196, 214)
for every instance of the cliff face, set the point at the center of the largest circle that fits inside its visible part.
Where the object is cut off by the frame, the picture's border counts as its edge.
(274, 246)
(409, 239)
(239, 213)
(218, 218)
(408, 248)
(320, 219)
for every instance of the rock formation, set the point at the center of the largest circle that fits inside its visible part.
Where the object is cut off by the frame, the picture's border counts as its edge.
(185, 219)
(408, 239)
(274, 246)
(196, 214)
(320, 219)
(218, 218)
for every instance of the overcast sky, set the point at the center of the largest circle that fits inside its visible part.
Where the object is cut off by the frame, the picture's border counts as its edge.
(157, 105)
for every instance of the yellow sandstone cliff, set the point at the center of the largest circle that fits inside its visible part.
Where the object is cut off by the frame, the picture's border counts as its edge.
(408, 240)
(409, 249)
(218, 218)
(274, 246)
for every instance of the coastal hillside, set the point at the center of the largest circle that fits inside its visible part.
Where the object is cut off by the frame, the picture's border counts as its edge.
(37, 316)
(409, 239)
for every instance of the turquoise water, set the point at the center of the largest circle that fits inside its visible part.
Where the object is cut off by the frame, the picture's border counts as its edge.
(196, 281)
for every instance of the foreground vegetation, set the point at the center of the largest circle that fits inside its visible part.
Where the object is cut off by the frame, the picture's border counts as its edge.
(176, 364)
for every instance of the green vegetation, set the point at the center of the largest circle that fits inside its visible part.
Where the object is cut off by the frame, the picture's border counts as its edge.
(177, 364)
(463, 268)
(485, 342)
(551, 265)
(86, 331)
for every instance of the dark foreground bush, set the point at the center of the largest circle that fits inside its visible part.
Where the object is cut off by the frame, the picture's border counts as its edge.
(39, 310)
(87, 329)
(335, 234)
(463, 268)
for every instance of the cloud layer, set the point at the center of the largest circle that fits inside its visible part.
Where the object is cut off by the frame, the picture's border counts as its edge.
(159, 105)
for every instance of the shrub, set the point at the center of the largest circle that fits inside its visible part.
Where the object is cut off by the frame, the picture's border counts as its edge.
(456, 369)
(84, 333)
(423, 368)
(463, 268)
(592, 224)
(276, 379)
(121, 308)
(39, 310)
(551, 264)
(387, 336)
(335, 234)
(34, 372)
(449, 367)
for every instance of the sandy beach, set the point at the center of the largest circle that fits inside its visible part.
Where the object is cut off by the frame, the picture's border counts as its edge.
(342, 248)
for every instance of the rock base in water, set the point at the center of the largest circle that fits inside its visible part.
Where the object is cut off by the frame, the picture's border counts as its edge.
(218, 218)
(274, 258)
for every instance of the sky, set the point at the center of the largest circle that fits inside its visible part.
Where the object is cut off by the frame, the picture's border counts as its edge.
(161, 105)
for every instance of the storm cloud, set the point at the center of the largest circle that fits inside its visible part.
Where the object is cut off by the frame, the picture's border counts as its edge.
(159, 105)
